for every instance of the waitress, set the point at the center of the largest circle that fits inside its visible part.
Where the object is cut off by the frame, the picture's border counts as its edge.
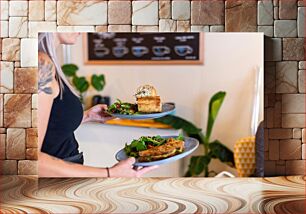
(59, 115)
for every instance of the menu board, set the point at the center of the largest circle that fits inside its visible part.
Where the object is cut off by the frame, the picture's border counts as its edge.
(146, 48)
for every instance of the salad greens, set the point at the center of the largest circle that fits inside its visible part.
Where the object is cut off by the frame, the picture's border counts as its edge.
(120, 107)
(144, 143)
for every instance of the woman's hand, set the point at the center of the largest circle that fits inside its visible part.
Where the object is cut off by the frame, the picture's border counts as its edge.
(125, 169)
(97, 114)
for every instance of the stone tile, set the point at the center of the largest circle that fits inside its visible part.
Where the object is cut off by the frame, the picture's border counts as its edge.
(217, 28)
(119, 12)
(277, 115)
(25, 80)
(50, 10)
(301, 3)
(31, 138)
(267, 30)
(119, 28)
(34, 101)
(297, 133)
(29, 53)
(145, 13)
(27, 167)
(293, 49)
(4, 29)
(269, 100)
(15, 144)
(303, 151)
(270, 117)
(287, 9)
(273, 49)
(275, 3)
(36, 26)
(8, 167)
(2, 146)
(290, 149)
(4, 10)
(286, 77)
(280, 170)
(134, 28)
(140, 28)
(180, 10)
(31, 154)
(293, 103)
(270, 168)
(269, 77)
(82, 12)
(164, 9)
(17, 64)
(199, 28)
(101, 28)
(285, 28)
(293, 120)
(6, 77)
(18, 27)
(295, 167)
(207, 12)
(304, 135)
(34, 118)
(301, 22)
(280, 133)
(36, 10)
(301, 82)
(239, 16)
(2, 130)
(265, 12)
(17, 110)
(75, 29)
(275, 13)
(1, 111)
(273, 150)
(11, 49)
(302, 65)
(18, 8)
(167, 25)
(183, 26)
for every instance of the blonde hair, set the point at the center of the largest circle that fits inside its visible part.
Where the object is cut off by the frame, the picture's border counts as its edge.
(47, 46)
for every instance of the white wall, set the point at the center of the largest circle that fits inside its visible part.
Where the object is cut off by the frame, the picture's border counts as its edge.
(230, 62)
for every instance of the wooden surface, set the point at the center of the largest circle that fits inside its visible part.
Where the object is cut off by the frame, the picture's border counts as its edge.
(138, 123)
(155, 195)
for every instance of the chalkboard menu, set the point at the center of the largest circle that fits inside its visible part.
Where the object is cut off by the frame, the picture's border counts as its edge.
(143, 48)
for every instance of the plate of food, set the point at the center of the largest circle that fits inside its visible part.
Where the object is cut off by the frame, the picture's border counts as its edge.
(157, 150)
(148, 106)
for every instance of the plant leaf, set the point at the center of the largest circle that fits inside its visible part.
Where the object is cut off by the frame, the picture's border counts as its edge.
(98, 81)
(221, 152)
(80, 83)
(214, 107)
(197, 164)
(70, 69)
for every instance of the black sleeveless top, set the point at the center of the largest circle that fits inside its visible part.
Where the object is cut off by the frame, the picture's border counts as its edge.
(66, 115)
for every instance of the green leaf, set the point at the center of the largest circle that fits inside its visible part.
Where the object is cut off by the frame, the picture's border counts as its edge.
(141, 146)
(197, 164)
(179, 123)
(221, 152)
(70, 69)
(80, 83)
(214, 107)
(98, 81)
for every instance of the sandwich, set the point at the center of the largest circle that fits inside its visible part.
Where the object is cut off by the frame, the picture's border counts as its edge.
(147, 99)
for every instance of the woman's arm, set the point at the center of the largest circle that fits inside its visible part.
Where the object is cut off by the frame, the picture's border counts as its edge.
(96, 113)
(49, 166)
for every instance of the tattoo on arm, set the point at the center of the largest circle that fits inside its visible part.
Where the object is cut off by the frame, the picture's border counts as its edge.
(45, 76)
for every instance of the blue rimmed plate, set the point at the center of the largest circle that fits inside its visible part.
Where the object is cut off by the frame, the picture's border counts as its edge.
(191, 144)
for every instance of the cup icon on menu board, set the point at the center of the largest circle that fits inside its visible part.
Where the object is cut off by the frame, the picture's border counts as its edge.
(120, 51)
(101, 51)
(160, 50)
(183, 50)
(139, 51)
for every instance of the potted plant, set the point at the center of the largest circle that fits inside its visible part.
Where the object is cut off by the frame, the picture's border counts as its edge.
(212, 149)
(82, 84)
